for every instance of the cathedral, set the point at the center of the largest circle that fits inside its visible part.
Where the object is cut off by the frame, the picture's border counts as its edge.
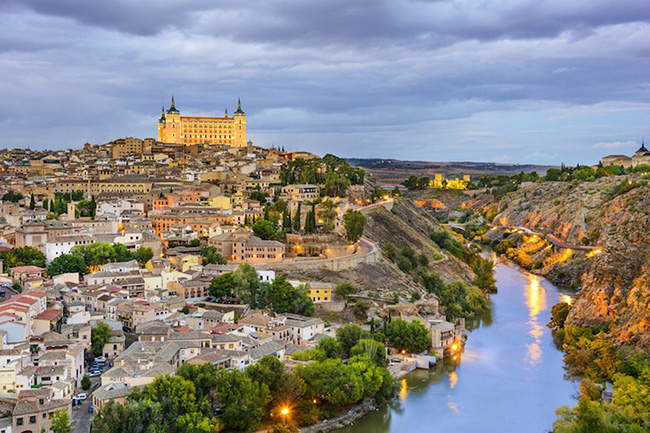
(174, 128)
(641, 156)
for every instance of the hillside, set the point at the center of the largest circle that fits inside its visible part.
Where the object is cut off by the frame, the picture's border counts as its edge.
(612, 214)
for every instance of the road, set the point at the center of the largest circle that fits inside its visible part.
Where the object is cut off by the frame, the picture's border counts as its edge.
(81, 418)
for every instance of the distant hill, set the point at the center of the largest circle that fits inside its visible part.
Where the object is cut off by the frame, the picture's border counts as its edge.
(395, 170)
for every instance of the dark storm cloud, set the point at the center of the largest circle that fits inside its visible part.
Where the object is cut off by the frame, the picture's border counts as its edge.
(513, 79)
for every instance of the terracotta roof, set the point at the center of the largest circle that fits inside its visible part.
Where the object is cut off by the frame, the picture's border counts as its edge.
(49, 315)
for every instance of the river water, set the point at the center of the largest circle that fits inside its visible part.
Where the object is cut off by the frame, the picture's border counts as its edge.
(510, 377)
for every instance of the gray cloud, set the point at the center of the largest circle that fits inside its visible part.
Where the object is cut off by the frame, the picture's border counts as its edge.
(406, 78)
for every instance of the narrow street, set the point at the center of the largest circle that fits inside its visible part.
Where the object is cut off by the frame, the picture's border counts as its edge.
(81, 418)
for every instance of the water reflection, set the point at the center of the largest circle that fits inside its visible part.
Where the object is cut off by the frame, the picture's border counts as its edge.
(490, 389)
(536, 302)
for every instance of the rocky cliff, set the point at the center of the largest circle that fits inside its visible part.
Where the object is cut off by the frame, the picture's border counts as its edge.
(612, 214)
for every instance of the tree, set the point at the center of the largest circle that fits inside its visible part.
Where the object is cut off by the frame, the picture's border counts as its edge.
(288, 299)
(559, 313)
(391, 252)
(175, 395)
(329, 347)
(483, 268)
(28, 256)
(12, 196)
(142, 255)
(85, 383)
(353, 221)
(101, 334)
(344, 290)
(243, 400)
(328, 214)
(223, 286)
(61, 421)
(247, 283)
(66, 263)
(331, 383)
(122, 253)
(296, 218)
(374, 350)
(96, 254)
(286, 219)
(310, 220)
(349, 335)
(32, 202)
(410, 336)
(269, 371)
(211, 255)
(264, 229)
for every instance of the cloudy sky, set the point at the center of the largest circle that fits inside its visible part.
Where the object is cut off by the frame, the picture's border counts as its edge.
(544, 81)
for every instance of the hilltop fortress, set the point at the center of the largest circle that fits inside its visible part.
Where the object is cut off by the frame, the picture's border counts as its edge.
(174, 128)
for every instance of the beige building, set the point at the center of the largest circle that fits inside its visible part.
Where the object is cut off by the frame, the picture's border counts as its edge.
(174, 128)
(641, 156)
(241, 246)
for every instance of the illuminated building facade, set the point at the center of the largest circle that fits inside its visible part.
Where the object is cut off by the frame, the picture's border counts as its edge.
(230, 131)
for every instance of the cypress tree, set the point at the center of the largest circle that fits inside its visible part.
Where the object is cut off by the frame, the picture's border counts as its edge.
(286, 220)
(32, 202)
(296, 219)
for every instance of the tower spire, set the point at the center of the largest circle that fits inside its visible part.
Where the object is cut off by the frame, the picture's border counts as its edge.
(239, 110)
(226, 116)
(173, 109)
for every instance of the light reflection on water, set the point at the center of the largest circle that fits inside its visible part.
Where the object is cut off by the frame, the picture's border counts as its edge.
(509, 378)
(536, 302)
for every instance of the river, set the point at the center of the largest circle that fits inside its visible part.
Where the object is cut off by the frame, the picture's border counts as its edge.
(510, 377)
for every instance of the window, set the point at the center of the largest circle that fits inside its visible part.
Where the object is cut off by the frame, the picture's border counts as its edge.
(32, 419)
(19, 421)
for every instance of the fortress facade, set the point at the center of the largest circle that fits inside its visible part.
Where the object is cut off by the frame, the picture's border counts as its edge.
(174, 128)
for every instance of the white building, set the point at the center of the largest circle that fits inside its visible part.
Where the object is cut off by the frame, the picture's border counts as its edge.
(63, 245)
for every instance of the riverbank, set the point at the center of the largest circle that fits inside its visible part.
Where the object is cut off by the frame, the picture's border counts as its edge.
(510, 377)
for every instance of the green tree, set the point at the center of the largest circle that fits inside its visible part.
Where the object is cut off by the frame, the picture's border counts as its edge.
(328, 214)
(66, 263)
(296, 218)
(349, 335)
(122, 253)
(410, 336)
(310, 221)
(286, 220)
(243, 400)
(247, 283)
(211, 255)
(85, 383)
(288, 299)
(329, 347)
(559, 313)
(354, 223)
(32, 202)
(142, 255)
(344, 290)
(175, 395)
(27, 256)
(223, 286)
(483, 268)
(374, 350)
(96, 254)
(12, 196)
(264, 229)
(61, 421)
(391, 252)
(331, 383)
(269, 371)
(100, 335)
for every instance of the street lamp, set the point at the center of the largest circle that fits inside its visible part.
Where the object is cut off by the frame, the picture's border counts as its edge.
(284, 412)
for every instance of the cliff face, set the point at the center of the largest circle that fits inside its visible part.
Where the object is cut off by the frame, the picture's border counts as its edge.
(615, 284)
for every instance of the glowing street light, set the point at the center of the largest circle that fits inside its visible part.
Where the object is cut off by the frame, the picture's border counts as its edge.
(285, 413)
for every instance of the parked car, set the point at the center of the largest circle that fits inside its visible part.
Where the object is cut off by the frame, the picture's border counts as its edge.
(81, 396)
(100, 359)
(95, 373)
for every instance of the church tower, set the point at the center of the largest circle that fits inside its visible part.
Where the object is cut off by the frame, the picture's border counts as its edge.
(239, 137)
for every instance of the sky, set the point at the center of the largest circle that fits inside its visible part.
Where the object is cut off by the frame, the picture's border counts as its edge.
(513, 81)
